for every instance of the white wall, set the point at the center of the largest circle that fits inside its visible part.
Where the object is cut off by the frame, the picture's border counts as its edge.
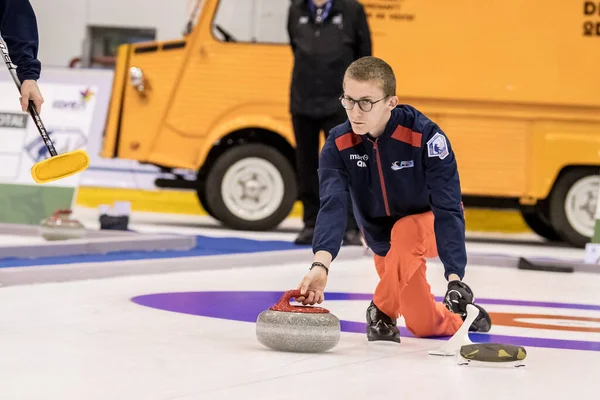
(254, 20)
(62, 23)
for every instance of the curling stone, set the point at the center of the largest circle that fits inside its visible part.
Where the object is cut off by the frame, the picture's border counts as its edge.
(60, 227)
(299, 329)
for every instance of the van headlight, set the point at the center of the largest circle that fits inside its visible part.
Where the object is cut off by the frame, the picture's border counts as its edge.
(136, 77)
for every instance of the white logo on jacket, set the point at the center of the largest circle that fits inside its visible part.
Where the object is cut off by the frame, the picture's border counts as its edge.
(437, 146)
(402, 165)
(359, 157)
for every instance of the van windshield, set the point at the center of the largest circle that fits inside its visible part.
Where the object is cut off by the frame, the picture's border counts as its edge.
(189, 26)
(257, 21)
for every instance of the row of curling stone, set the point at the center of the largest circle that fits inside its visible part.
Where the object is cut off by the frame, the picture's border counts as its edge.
(299, 329)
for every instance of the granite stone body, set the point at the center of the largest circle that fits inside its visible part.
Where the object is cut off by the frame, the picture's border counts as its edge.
(301, 329)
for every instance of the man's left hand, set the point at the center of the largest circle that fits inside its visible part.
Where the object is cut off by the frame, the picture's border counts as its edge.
(458, 296)
(31, 91)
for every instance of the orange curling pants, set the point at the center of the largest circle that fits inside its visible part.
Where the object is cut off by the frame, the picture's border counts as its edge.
(403, 288)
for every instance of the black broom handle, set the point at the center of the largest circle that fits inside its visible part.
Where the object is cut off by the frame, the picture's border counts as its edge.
(32, 111)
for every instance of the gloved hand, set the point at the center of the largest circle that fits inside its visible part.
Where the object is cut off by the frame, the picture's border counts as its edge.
(457, 297)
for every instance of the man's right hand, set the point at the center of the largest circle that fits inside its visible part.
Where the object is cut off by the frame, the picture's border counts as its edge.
(313, 286)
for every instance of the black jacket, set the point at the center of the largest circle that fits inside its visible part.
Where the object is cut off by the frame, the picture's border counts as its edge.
(322, 52)
(18, 28)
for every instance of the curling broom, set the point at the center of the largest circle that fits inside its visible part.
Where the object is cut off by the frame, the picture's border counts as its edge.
(57, 166)
(482, 354)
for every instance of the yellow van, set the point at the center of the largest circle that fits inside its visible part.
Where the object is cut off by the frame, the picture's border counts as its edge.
(514, 84)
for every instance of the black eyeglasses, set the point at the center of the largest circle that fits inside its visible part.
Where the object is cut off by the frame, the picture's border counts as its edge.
(364, 104)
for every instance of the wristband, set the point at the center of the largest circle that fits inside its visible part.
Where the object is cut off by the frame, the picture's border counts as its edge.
(318, 264)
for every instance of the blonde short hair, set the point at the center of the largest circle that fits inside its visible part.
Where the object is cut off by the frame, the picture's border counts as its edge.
(373, 69)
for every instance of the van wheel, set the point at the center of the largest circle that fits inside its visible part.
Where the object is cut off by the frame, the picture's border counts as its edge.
(573, 205)
(251, 187)
(201, 192)
(536, 218)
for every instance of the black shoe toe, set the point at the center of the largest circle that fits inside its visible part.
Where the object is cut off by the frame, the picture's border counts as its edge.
(483, 322)
(352, 237)
(380, 326)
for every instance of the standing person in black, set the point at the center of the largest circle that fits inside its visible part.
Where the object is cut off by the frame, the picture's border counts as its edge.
(326, 36)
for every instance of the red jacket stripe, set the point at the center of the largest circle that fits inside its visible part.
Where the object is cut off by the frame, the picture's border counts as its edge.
(406, 135)
(346, 141)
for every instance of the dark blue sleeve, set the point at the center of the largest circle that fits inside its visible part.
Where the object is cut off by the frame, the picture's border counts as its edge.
(445, 197)
(335, 199)
(18, 28)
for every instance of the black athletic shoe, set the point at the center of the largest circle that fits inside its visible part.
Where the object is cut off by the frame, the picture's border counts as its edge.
(352, 238)
(305, 236)
(483, 322)
(380, 326)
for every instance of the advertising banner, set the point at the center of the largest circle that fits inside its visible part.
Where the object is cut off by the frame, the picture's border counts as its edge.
(68, 115)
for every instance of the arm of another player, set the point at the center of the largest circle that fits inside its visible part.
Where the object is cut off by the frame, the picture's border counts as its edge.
(290, 30)
(363, 46)
(331, 221)
(18, 28)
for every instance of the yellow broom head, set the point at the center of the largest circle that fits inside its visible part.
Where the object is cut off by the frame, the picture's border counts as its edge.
(60, 166)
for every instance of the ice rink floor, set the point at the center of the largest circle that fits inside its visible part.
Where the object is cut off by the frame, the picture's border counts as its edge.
(191, 335)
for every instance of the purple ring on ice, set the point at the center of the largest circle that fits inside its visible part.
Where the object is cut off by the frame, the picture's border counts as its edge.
(244, 306)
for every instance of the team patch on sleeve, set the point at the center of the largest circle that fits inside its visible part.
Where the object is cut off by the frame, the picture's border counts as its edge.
(437, 146)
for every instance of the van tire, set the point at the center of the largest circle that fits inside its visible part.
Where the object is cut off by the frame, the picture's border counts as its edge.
(538, 222)
(558, 213)
(201, 193)
(272, 172)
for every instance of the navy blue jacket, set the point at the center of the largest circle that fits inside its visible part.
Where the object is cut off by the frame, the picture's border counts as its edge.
(409, 169)
(18, 28)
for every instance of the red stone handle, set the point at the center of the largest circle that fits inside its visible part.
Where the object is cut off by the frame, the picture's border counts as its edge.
(284, 304)
(58, 213)
(63, 211)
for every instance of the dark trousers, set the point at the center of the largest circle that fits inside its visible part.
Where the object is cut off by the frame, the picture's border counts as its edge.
(307, 132)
